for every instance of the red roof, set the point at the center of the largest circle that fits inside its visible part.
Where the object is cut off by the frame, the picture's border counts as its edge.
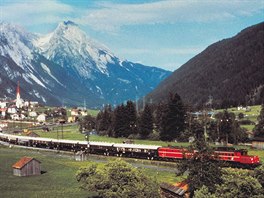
(22, 162)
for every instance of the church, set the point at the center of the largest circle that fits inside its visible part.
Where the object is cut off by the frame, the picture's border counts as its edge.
(19, 101)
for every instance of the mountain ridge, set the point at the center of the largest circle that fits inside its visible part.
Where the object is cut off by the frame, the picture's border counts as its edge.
(230, 71)
(68, 65)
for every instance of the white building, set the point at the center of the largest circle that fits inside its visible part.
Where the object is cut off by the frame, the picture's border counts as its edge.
(32, 114)
(3, 112)
(12, 110)
(74, 112)
(3, 104)
(41, 118)
(17, 116)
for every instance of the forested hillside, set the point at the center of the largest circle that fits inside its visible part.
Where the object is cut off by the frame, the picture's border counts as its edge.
(231, 71)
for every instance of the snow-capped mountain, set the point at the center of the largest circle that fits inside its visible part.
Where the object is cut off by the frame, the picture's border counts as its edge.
(66, 65)
(18, 63)
(83, 55)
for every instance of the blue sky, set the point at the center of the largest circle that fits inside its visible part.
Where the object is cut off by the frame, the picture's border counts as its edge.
(164, 33)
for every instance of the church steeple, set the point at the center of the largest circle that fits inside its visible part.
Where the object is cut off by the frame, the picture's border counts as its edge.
(18, 91)
(18, 99)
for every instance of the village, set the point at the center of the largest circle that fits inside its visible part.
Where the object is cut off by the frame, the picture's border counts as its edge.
(35, 114)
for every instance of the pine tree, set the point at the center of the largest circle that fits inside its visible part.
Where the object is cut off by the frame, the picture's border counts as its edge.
(87, 123)
(146, 122)
(228, 128)
(131, 118)
(158, 114)
(120, 121)
(259, 128)
(104, 120)
(173, 119)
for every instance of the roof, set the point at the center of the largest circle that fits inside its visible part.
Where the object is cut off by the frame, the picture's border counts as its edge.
(22, 162)
(32, 134)
(137, 146)
(258, 139)
(178, 189)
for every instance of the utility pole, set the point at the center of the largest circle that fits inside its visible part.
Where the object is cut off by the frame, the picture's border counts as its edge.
(62, 130)
(87, 137)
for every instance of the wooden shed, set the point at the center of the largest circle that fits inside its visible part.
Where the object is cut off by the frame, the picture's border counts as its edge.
(27, 166)
(258, 143)
(178, 190)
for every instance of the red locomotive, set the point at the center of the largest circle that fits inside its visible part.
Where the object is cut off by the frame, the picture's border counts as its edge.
(226, 154)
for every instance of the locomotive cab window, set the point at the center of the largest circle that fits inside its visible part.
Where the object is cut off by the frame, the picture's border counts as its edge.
(244, 152)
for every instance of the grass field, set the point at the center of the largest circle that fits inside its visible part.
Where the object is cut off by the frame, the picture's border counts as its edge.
(253, 111)
(72, 133)
(59, 179)
(251, 114)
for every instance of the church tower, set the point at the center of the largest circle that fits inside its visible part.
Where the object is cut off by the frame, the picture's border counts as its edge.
(18, 99)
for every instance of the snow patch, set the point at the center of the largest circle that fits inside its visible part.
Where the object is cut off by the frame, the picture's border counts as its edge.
(124, 80)
(9, 90)
(99, 89)
(33, 77)
(26, 79)
(43, 99)
(47, 70)
(36, 93)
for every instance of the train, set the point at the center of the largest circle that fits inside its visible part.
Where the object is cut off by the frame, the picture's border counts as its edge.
(226, 154)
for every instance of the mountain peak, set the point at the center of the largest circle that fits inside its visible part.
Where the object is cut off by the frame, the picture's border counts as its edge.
(67, 26)
(69, 23)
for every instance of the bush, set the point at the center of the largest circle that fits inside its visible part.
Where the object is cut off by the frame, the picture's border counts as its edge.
(117, 179)
(154, 136)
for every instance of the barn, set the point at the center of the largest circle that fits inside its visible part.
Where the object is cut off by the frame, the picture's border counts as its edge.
(258, 143)
(27, 166)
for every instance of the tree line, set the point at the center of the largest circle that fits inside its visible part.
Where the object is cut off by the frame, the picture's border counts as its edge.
(168, 121)
(165, 121)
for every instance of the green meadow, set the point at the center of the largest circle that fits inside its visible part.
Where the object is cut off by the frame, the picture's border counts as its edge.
(59, 177)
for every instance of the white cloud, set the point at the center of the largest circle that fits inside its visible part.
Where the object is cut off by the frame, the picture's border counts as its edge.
(110, 17)
(32, 12)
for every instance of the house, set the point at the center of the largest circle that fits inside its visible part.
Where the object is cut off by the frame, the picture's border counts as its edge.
(84, 113)
(3, 124)
(258, 143)
(26, 103)
(32, 114)
(3, 112)
(72, 119)
(12, 109)
(41, 118)
(17, 116)
(3, 104)
(27, 166)
(33, 104)
(74, 112)
(80, 156)
(32, 134)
